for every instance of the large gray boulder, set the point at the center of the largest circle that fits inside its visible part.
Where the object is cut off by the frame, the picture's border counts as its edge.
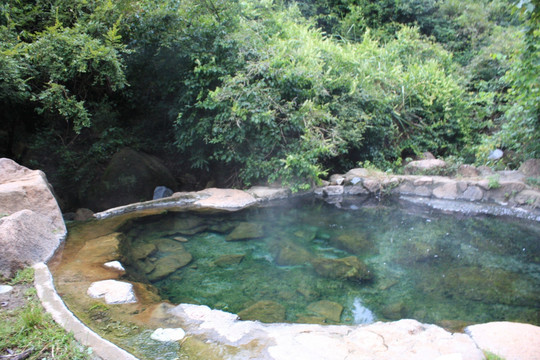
(130, 177)
(31, 223)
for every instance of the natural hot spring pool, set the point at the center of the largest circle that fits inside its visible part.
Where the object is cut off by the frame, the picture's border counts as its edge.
(305, 260)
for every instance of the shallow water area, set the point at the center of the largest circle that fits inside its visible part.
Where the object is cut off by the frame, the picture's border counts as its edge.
(308, 261)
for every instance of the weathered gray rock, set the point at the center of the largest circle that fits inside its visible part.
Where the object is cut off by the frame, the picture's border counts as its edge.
(446, 190)
(510, 341)
(113, 291)
(425, 166)
(467, 171)
(268, 193)
(161, 192)
(228, 199)
(332, 190)
(26, 238)
(528, 197)
(337, 179)
(530, 168)
(472, 193)
(31, 223)
(83, 214)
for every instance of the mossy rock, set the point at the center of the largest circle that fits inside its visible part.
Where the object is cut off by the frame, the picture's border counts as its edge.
(289, 254)
(246, 231)
(353, 242)
(266, 311)
(229, 259)
(328, 309)
(348, 268)
(142, 251)
(169, 264)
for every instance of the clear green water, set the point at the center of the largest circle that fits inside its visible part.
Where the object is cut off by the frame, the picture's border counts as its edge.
(426, 265)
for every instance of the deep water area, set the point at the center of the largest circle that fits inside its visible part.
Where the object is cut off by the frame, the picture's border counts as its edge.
(305, 260)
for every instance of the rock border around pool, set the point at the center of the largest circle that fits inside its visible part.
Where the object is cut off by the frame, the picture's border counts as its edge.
(379, 340)
(500, 193)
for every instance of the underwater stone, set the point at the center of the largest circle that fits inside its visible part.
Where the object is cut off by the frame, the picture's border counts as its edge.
(328, 309)
(169, 264)
(168, 245)
(350, 268)
(142, 251)
(229, 259)
(353, 242)
(114, 292)
(246, 231)
(394, 311)
(266, 311)
(187, 223)
(290, 254)
(168, 335)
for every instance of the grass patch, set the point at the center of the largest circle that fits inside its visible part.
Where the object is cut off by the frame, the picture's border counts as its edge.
(492, 356)
(30, 330)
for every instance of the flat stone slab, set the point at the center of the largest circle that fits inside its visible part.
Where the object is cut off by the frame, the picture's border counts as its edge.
(511, 341)
(404, 339)
(114, 292)
(268, 193)
(168, 334)
(226, 199)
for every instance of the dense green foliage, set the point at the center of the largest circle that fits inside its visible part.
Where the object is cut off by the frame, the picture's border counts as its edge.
(261, 90)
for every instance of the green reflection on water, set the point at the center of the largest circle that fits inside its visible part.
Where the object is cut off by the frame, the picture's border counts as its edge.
(433, 267)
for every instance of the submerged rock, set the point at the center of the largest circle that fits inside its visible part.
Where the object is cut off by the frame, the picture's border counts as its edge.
(265, 311)
(246, 231)
(114, 292)
(289, 254)
(229, 259)
(328, 309)
(349, 268)
(353, 242)
(169, 264)
(168, 335)
(143, 251)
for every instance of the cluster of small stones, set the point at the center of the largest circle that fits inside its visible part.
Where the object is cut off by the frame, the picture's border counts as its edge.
(504, 188)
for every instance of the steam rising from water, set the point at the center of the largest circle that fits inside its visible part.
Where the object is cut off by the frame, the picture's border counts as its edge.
(362, 315)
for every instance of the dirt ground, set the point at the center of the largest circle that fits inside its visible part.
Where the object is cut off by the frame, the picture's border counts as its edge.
(15, 298)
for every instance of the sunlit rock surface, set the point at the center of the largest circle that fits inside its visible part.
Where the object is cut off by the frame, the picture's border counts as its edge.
(510, 341)
(113, 291)
(31, 223)
(404, 339)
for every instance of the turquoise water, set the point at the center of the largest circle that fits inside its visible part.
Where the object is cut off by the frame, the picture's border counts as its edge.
(419, 263)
